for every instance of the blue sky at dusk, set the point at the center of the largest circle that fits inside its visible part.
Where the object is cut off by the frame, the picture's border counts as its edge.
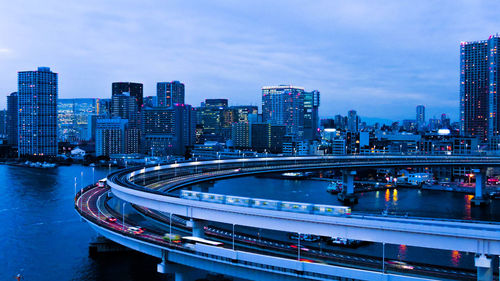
(381, 58)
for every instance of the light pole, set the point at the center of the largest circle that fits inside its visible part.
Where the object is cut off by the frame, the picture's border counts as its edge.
(123, 213)
(144, 177)
(170, 222)
(298, 248)
(233, 236)
(81, 180)
(93, 174)
(219, 160)
(75, 187)
(175, 169)
(196, 165)
(109, 168)
(383, 257)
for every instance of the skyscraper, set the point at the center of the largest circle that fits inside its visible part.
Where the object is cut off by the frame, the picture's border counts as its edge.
(12, 112)
(352, 121)
(284, 105)
(420, 117)
(168, 130)
(311, 117)
(37, 99)
(493, 90)
(135, 90)
(169, 93)
(478, 88)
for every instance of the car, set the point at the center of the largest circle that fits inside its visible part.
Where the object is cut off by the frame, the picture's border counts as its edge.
(174, 238)
(135, 230)
(111, 219)
(399, 264)
(301, 248)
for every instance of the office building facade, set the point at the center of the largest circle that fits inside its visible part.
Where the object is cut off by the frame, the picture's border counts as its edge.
(135, 90)
(293, 107)
(170, 93)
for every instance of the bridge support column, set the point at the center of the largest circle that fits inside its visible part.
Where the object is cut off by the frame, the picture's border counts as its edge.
(484, 268)
(347, 195)
(179, 272)
(197, 227)
(480, 197)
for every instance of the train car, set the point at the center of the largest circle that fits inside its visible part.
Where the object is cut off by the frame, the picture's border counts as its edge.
(266, 204)
(211, 197)
(331, 210)
(192, 195)
(296, 207)
(238, 201)
(198, 240)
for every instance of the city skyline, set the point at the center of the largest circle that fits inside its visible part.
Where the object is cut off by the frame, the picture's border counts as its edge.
(214, 53)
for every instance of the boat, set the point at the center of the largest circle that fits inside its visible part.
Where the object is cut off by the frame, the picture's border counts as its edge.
(334, 187)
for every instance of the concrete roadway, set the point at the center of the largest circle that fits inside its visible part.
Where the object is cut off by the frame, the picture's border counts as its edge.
(93, 202)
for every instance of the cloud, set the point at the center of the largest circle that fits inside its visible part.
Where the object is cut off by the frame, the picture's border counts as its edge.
(381, 58)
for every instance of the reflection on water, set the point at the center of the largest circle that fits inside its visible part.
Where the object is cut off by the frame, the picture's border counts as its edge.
(387, 195)
(467, 208)
(395, 195)
(455, 257)
(402, 252)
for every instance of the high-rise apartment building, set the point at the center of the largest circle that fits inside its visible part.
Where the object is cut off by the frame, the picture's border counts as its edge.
(420, 117)
(37, 100)
(169, 93)
(12, 114)
(479, 101)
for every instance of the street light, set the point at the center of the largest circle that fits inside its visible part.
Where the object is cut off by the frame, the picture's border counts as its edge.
(123, 213)
(93, 174)
(233, 236)
(170, 222)
(383, 257)
(298, 248)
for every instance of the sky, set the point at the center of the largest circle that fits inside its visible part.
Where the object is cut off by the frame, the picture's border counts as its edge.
(381, 58)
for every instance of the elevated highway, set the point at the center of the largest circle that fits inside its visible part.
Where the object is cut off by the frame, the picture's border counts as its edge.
(151, 187)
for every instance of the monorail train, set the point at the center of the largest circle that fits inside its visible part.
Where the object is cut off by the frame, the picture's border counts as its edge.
(294, 207)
